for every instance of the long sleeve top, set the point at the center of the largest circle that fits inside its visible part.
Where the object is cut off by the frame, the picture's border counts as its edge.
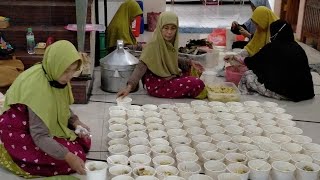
(41, 136)
(141, 69)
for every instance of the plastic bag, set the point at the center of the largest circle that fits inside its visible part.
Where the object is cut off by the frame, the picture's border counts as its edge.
(152, 19)
(218, 37)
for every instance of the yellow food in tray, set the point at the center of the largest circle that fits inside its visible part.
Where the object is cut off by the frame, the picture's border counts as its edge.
(221, 89)
(223, 92)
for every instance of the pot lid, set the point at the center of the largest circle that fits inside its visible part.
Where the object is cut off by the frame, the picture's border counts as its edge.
(119, 57)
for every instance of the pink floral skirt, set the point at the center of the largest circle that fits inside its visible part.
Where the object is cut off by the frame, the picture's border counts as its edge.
(16, 138)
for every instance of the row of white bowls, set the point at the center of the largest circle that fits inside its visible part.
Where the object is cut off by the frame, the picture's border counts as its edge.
(279, 116)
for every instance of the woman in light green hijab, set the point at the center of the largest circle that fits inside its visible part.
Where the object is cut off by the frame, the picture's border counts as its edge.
(34, 128)
(120, 26)
(163, 73)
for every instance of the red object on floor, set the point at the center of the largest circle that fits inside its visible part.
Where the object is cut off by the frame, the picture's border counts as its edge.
(136, 26)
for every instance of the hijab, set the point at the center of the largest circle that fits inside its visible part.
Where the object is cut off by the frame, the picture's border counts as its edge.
(161, 56)
(263, 17)
(120, 26)
(282, 65)
(32, 88)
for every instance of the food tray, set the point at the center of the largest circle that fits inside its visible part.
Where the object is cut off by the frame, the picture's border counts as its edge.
(223, 92)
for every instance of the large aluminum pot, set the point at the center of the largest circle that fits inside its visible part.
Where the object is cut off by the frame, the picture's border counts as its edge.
(116, 68)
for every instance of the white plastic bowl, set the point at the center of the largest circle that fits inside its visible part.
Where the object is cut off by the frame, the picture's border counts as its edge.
(201, 109)
(117, 120)
(292, 148)
(180, 149)
(134, 107)
(267, 147)
(214, 129)
(310, 148)
(300, 157)
(214, 168)
(269, 104)
(245, 147)
(216, 138)
(176, 132)
(186, 169)
(259, 170)
(132, 121)
(158, 134)
(155, 127)
(280, 138)
(180, 141)
(118, 127)
(240, 169)
(282, 171)
(149, 107)
(117, 160)
(118, 141)
(186, 157)
(138, 160)
(251, 103)
(229, 176)
(292, 130)
(117, 135)
(151, 120)
(119, 149)
(199, 177)
(137, 134)
(161, 150)
(164, 171)
(279, 156)
(135, 114)
(300, 139)
(216, 103)
(139, 141)
(257, 154)
(244, 116)
(236, 158)
(159, 141)
(140, 149)
(283, 116)
(307, 171)
(195, 131)
(213, 156)
(227, 147)
(218, 109)
(163, 160)
(241, 139)
(150, 171)
(120, 170)
(226, 116)
(125, 102)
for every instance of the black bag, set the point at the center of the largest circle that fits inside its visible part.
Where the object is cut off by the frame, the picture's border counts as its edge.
(5, 47)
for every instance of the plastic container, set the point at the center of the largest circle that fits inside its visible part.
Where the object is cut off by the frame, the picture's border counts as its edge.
(280, 138)
(236, 158)
(139, 160)
(251, 103)
(180, 141)
(176, 132)
(159, 141)
(138, 141)
(199, 177)
(240, 169)
(245, 147)
(209, 77)
(216, 138)
(163, 160)
(140, 149)
(188, 168)
(118, 141)
(124, 102)
(257, 154)
(200, 139)
(214, 168)
(143, 171)
(195, 103)
(117, 135)
(119, 170)
(158, 134)
(234, 73)
(117, 121)
(96, 170)
(279, 156)
(229, 176)
(155, 127)
(211, 130)
(227, 147)
(223, 91)
(135, 114)
(300, 139)
(180, 149)
(267, 147)
(259, 170)
(138, 134)
(187, 157)
(146, 178)
(122, 177)
(161, 150)
(282, 171)
(300, 157)
(132, 121)
(213, 156)
(292, 148)
(117, 160)
(307, 171)
(241, 139)
(310, 148)
(173, 178)
(118, 127)
(118, 113)
(149, 107)
(119, 149)
(164, 171)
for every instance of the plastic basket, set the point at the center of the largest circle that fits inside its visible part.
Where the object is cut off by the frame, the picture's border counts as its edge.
(234, 73)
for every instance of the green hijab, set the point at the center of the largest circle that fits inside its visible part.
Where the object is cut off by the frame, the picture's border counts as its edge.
(120, 26)
(32, 89)
(161, 56)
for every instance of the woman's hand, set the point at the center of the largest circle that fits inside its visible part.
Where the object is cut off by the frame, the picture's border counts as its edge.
(244, 32)
(234, 24)
(124, 92)
(75, 163)
(197, 66)
(234, 60)
(82, 135)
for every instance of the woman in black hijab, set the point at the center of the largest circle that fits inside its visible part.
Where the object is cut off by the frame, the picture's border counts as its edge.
(280, 69)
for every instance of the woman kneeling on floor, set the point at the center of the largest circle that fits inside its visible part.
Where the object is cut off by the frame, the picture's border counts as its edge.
(159, 65)
(280, 69)
(34, 127)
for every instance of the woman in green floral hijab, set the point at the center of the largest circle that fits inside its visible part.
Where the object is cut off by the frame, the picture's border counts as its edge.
(34, 128)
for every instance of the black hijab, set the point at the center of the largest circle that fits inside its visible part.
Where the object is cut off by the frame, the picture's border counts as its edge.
(282, 65)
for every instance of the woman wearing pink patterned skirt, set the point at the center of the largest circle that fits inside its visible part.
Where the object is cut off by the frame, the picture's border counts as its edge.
(36, 127)
(162, 72)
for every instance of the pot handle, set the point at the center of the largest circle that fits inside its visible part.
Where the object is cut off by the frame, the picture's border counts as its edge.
(116, 74)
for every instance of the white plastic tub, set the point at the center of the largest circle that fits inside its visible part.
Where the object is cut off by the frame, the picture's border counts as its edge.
(307, 171)
(259, 170)
(187, 169)
(214, 168)
(282, 171)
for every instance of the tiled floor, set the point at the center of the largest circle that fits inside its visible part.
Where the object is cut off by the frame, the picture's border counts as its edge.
(95, 113)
